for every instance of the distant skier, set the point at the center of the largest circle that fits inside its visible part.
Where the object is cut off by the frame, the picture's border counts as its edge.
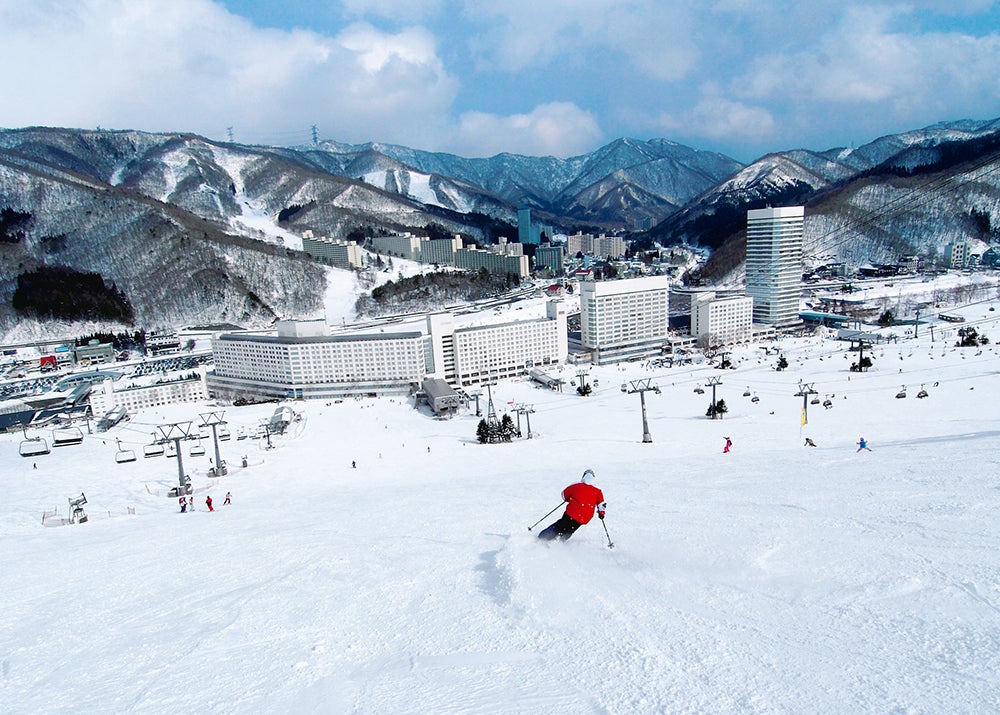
(582, 500)
(354, 465)
(862, 444)
(208, 503)
(809, 442)
(729, 443)
(229, 498)
(184, 504)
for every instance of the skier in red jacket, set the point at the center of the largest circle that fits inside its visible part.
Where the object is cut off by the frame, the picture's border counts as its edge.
(582, 500)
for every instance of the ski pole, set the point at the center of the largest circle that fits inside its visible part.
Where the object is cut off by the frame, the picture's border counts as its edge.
(610, 544)
(545, 517)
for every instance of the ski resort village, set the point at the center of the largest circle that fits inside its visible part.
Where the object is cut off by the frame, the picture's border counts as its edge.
(796, 466)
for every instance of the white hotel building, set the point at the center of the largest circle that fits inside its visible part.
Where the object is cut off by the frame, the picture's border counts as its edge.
(719, 321)
(304, 361)
(624, 320)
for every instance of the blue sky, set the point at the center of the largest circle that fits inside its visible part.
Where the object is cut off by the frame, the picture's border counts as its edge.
(477, 77)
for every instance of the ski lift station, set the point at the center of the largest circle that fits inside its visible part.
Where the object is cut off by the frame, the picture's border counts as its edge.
(440, 396)
(546, 380)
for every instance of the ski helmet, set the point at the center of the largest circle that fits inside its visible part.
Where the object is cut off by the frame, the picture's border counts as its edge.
(588, 477)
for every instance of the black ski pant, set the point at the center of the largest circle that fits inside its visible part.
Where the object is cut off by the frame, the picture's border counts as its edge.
(562, 529)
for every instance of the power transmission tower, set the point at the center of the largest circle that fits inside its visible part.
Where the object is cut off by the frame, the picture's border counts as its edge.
(315, 135)
(491, 414)
(805, 389)
(229, 133)
(642, 387)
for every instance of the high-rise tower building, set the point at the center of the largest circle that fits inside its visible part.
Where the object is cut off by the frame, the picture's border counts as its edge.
(774, 264)
(527, 232)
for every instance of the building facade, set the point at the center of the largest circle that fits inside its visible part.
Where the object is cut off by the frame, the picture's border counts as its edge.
(304, 361)
(774, 264)
(474, 259)
(297, 363)
(550, 258)
(624, 320)
(719, 321)
(342, 254)
(601, 246)
(104, 397)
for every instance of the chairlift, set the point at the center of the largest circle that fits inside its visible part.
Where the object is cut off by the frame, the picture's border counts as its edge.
(902, 393)
(747, 393)
(197, 450)
(66, 436)
(123, 456)
(923, 393)
(814, 401)
(241, 434)
(755, 399)
(699, 391)
(34, 447)
(171, 449)
(223, 434)
(827, 404)
(152, 450)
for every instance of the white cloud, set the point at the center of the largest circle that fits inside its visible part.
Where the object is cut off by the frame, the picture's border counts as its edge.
(654, 37)
(398, 10)
(558, 129)
(719, 118)
(863, 61)
(190, 65)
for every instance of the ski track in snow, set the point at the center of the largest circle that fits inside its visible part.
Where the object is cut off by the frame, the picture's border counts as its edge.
(775, 578)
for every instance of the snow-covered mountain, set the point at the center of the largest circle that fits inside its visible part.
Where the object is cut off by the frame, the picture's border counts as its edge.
(620, 183)
(903, 193)
(223, 220)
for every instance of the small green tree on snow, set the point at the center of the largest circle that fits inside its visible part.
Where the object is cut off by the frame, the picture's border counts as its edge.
(483, 432)
(782, 363)
(887, 318)
(717, 410)
(583, 390)
(507, 429)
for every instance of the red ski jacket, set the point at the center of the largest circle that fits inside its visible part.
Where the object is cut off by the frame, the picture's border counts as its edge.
(582, 501)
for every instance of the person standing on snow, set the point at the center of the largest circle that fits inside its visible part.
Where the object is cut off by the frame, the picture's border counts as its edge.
(862, 444)
(729, 443)
(229, 498)
(208, 503)
(582, 500)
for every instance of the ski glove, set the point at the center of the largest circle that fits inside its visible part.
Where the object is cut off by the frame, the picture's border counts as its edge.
(601, 509)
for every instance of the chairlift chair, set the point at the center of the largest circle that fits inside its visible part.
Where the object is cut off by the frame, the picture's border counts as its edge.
(922, 394)
(33, 447)
(699, 391)
(755, 399)
(747, 393)
(902, 393)
(197, 450)
(66, 436)
(123, 456)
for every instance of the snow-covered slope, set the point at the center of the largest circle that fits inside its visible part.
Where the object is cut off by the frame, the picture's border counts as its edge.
(775, 578)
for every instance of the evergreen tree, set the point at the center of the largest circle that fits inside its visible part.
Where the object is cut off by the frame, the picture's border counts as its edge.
(507, 429)
(483, 432)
